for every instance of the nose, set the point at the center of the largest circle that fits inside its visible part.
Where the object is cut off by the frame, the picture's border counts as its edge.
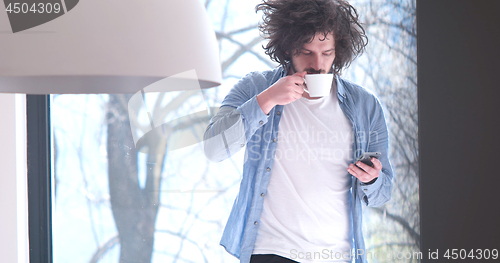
(316, 62)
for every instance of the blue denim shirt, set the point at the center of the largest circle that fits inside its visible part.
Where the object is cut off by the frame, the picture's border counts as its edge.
(240, 121)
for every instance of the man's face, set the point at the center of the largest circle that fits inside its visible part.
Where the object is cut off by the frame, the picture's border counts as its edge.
(315, 57)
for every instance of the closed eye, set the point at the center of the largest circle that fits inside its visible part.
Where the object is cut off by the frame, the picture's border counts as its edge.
(329, 52)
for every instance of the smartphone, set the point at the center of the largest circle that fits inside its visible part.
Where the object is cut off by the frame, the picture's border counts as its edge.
(366, 157)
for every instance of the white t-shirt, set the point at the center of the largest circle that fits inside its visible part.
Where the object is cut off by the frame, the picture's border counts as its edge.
(306, 208)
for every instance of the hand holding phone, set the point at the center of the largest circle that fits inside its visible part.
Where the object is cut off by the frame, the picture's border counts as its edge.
(370, 176)
(367, 156)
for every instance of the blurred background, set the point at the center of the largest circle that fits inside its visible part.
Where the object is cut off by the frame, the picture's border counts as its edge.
(173, 206)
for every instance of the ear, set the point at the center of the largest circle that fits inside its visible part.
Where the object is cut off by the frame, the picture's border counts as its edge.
(288, 57)
(290, 54)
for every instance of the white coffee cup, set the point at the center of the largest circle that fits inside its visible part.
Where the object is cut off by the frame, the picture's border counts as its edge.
(318, 85)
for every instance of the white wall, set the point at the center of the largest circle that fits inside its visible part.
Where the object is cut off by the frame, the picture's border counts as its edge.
(13, 193)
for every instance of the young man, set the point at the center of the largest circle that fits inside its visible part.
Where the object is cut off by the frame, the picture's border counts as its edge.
(302, 190)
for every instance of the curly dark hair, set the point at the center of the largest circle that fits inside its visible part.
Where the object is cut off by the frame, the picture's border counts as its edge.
(289, 24)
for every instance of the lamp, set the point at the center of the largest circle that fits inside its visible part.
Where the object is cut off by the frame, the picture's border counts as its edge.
(112, 46)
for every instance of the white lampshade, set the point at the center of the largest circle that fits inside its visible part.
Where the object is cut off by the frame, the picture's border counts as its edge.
(110, 46)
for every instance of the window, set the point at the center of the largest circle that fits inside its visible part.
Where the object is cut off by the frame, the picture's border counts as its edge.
(172, 205)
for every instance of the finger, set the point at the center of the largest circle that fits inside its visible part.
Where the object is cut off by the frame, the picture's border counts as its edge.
(299, 89)
(350, 170)
(298, 77)
(296, 96)
(376, 164)
(360, 174)
(300, 74)
(368, 169)
(356, 171)
(297, 80)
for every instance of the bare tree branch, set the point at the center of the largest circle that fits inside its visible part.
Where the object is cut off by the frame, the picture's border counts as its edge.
(243, 48)
(183, 237)
(241, 30)
(241, 51)
(104, 248)
(402, 221)
(207, 2)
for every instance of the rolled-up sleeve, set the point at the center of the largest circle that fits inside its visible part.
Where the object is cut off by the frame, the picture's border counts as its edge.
(237, 120)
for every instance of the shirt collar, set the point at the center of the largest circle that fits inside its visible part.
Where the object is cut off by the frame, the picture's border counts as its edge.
(341, 92)
(284, 70)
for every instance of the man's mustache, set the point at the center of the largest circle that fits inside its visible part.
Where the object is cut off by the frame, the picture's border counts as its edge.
(313, 71)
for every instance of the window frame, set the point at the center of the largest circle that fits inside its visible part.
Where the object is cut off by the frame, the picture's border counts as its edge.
(38, 140)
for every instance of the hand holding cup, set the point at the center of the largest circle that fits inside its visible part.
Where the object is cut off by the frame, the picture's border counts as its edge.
(318, 85)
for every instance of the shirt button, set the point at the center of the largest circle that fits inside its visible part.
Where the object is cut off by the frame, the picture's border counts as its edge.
(261, 122)
(365, 190)
(255, 223)
(268, 169)
(242, 145)
(274, 140)
(262, 194)
(279, 112)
